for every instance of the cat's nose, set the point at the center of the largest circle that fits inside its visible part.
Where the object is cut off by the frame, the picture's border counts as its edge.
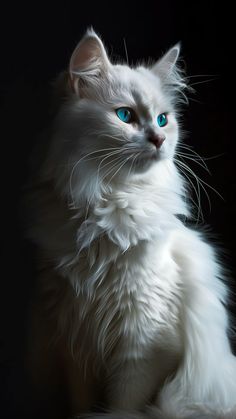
(156, 139)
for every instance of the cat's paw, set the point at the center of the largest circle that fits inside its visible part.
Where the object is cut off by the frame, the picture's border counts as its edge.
(197, 411)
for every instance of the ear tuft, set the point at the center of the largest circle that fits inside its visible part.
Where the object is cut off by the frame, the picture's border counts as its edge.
(166, 64)
(89, 60)
(172, 76)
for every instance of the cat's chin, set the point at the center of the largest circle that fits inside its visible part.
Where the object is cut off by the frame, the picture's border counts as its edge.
(148, 159)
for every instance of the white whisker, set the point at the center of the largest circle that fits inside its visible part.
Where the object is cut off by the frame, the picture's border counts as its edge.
(202, 82)
(126, 52)
(111, 169)
(200, 182)
(84, 158)
(186, 156)
(196, 189)
(201, 75)
(103, 134)
(194, 153)
(97, 175)
(117, 171)
(132, 163)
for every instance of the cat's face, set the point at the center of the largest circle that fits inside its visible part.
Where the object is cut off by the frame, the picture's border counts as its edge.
(130, 113)
(119, 121)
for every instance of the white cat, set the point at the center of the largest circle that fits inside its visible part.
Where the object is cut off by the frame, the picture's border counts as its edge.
(134, 298)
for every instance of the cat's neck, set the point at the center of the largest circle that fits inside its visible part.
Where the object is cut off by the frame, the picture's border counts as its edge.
(133, 211)
(162, 184)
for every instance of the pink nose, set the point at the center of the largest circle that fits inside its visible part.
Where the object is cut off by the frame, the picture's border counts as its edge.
(156, 139)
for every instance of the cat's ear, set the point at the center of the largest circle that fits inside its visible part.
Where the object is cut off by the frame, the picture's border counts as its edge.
(165, 66)
(88, 61)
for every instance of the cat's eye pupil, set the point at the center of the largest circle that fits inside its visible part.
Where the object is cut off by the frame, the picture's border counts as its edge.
(124, 114)
(162, 120)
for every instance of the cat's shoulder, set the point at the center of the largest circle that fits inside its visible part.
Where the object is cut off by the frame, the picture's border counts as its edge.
(193, 243)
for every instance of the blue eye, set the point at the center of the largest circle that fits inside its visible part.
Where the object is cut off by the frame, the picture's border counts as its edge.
(124, 114)
(162, 120)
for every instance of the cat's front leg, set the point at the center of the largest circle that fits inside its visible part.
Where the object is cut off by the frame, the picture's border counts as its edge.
(206, 379)
(130, 384)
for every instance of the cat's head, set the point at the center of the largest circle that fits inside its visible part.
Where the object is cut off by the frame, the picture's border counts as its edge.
(118, 121)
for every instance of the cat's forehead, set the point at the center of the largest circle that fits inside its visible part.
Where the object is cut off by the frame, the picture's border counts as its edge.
(139, 85)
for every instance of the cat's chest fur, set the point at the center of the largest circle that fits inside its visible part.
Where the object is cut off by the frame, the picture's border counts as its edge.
(122, 269)
(130, 303)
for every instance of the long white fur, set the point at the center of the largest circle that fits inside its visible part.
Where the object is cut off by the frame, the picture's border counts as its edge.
(148, 289)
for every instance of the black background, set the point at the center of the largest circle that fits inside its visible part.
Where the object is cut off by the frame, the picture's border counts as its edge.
(36, 42)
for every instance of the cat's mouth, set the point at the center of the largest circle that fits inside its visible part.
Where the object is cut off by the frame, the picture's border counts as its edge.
(151, 155)
(147, 158)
